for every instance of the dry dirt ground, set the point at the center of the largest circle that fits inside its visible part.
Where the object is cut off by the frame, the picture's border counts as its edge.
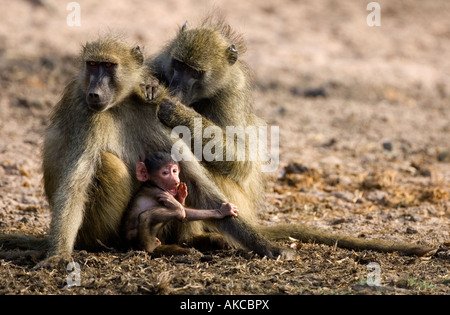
(364, 117)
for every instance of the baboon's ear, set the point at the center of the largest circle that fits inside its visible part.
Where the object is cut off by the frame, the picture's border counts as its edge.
(141, 172)
(185, 26)
(232, 54)
(137, 54)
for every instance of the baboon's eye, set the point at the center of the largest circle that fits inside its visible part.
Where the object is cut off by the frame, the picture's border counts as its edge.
(108, 65)
(91, 63)
(196, 74)
(177, 65)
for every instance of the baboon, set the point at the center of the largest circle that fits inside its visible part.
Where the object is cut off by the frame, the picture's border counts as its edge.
(99, 129)
(201, 66)
(161, 200)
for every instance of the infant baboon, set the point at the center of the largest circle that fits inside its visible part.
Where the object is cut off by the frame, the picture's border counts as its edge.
(161, 200)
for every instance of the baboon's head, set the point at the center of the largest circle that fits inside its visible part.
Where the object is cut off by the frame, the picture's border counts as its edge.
(200, 60)
(112, 69)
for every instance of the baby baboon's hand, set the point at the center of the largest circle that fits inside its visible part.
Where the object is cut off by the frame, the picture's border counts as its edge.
(228, 209)
(182, 193)
(169, 201)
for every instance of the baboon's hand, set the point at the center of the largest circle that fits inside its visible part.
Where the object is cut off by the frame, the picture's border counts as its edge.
(150, 88)
(169, 201)
(182, 193)
(166, 111)
(228, 209)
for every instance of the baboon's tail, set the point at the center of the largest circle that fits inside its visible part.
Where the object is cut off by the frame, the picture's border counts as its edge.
(22, 241)
(312, 235)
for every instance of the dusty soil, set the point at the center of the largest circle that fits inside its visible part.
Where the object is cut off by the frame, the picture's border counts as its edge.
(364, 117)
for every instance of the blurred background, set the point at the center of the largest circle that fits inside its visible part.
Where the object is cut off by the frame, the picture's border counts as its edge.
(298, 50)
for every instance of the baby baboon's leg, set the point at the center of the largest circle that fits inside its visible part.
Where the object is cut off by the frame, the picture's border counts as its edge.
(150, 222)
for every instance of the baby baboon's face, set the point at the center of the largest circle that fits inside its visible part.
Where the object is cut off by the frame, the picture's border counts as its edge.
(168, 178)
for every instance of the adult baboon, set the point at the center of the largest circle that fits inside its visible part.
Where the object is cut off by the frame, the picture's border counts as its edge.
(201, 66)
